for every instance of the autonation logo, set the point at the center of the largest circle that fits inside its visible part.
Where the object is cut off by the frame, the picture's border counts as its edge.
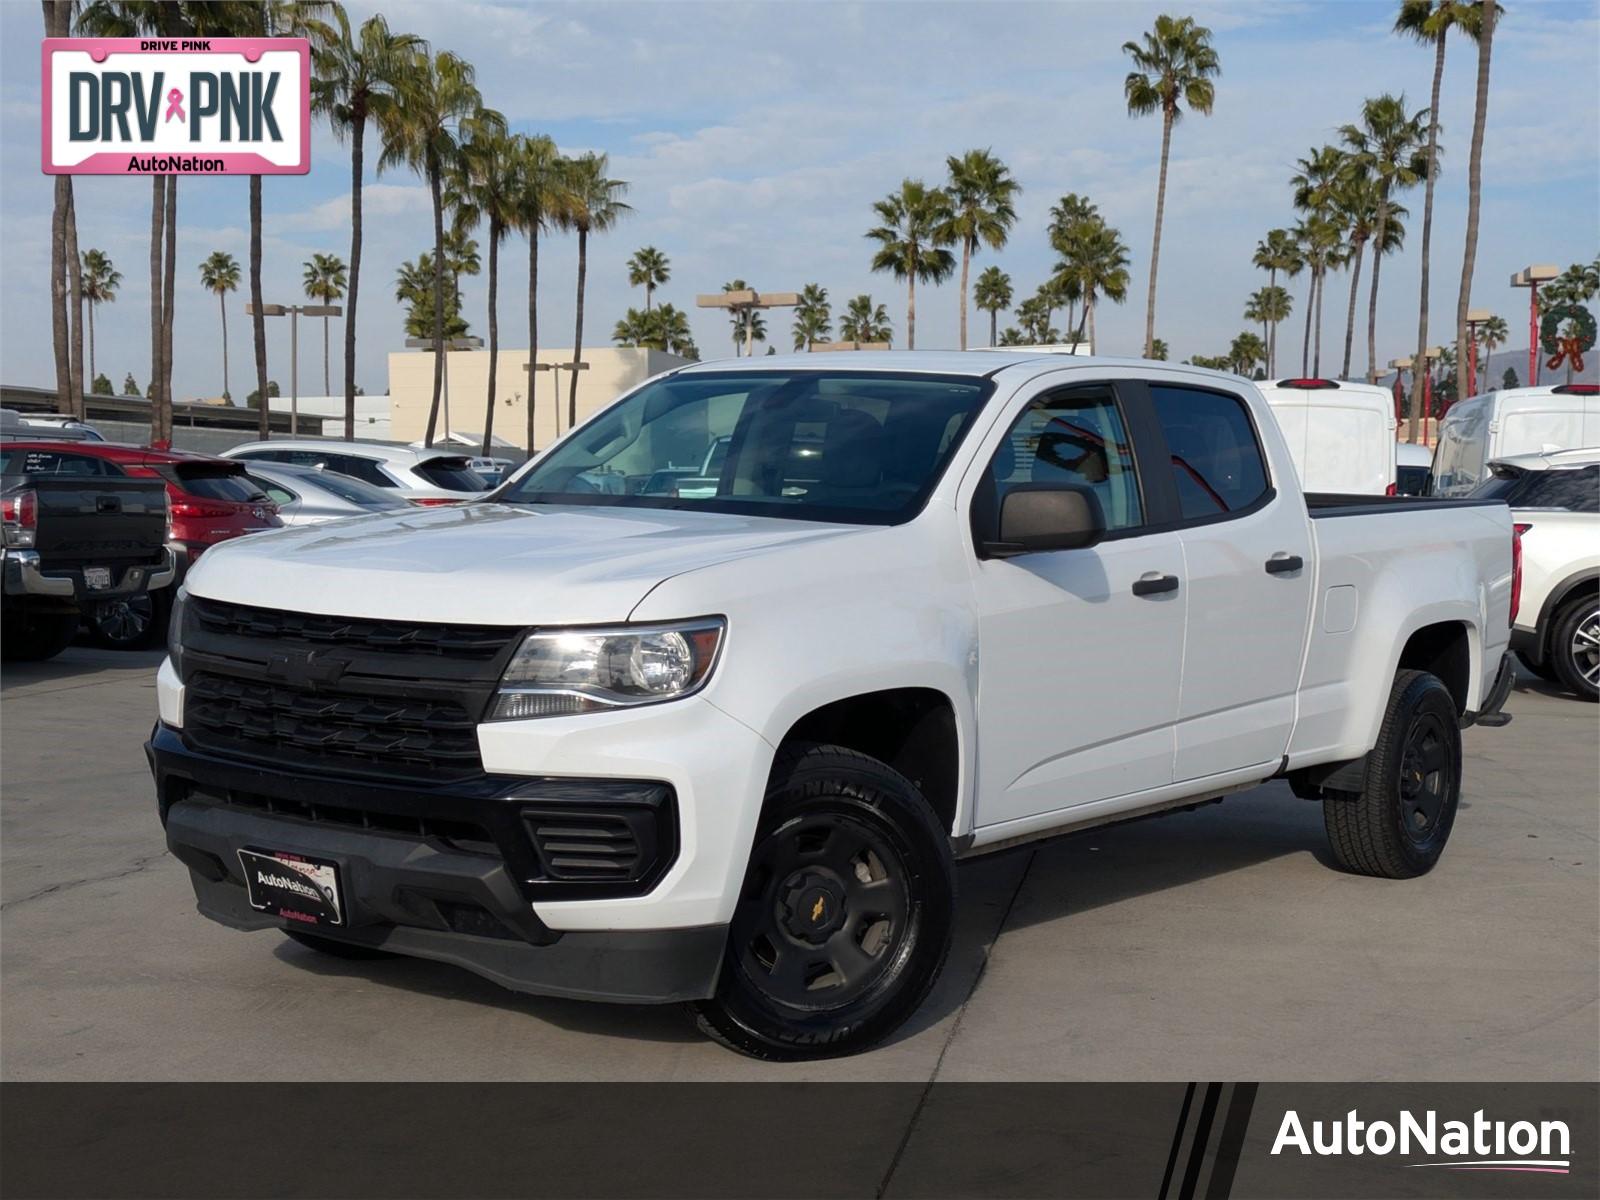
(1476, 1145)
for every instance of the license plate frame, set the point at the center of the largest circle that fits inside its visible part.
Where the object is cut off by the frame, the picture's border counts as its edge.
(97, 579)
(296, 887)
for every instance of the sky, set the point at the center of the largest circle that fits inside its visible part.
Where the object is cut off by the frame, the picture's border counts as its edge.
(756, 135)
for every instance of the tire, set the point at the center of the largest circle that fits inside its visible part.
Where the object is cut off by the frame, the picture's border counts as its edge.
(334, 948)
(1575, 647)
(1396, 827)
(1544, 670)
(34, 635)
(845, 916)
(136, 622)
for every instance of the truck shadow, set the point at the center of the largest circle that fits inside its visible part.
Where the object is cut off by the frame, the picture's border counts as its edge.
(76, 662)
(1062, 879)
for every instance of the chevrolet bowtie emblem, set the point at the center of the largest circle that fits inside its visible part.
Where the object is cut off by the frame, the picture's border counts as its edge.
(816, 910)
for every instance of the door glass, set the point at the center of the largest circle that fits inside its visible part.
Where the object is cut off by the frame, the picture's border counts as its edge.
(1216, 460)
(1074, 437)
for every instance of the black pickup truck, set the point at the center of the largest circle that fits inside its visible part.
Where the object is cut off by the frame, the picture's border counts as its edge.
(77, 530)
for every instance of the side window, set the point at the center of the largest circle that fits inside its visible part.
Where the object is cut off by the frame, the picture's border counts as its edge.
(1077, 437)
(358, 468)
(1575, 490)
(1217, 463)
(278, 495)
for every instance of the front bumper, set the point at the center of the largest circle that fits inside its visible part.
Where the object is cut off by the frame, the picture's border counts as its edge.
(416, 883)
(25, 575)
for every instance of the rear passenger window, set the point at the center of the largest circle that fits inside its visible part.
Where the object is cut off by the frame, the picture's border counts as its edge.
(1216, 459)
(1074, 437)
(357, 468)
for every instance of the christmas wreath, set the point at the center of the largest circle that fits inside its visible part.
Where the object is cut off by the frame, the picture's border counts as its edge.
(1569, 347)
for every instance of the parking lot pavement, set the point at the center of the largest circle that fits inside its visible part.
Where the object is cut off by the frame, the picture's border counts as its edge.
(1215, 944)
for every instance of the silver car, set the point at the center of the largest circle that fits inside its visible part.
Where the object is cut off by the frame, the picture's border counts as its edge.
(311, 495)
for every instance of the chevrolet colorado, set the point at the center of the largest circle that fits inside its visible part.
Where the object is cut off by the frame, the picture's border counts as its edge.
(599, 736)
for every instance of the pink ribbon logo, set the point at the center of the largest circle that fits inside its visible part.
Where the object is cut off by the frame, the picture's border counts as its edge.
(175, 106)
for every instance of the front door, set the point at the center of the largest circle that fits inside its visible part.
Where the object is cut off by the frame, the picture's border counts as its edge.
(1078, 674)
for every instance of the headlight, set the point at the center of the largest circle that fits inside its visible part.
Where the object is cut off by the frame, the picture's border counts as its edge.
(180, 601)
(557, 672)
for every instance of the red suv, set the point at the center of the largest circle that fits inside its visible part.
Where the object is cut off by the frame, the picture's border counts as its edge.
(210, 500)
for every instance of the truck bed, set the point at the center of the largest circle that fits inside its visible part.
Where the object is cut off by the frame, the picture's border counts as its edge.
(1348, 504)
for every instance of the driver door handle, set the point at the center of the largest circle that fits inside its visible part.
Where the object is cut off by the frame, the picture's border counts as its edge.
(1153, 583)
(1280, 563)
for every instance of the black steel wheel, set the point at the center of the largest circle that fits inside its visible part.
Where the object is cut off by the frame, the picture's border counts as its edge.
(135, 622)
(1396, 827)
(844, 920)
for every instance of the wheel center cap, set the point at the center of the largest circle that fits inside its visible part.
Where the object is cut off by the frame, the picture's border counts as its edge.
(813, 907)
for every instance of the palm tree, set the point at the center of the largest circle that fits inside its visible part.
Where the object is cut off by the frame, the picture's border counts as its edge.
(324, 281)
(1245, 352)
(1095, 261)
(992, 293)
(1158, 352)
(413, 287)
(596, 206)
(1491, 335)
(1387, 144)
(649, 269)
(1274, 304)
(1255, 310)
(916, 225)
(542, 200)
(1488, 18)
(1174, 66)
(355, 79)
(1316, 183)
(865, 322)
(813, 319)
(748, 325)
(1278, 251)
(219, 274)
(671, 326)
(1322, 245)
(1033, 315)
(100, 281)
(982, 195)
(634, 329)
(484, 188)
(437, 108)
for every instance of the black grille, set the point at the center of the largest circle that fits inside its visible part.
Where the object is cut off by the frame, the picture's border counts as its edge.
(474, 642)
(575, 845)
(343, 694)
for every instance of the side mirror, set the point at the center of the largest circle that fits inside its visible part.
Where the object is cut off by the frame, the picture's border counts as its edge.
(1046, 516)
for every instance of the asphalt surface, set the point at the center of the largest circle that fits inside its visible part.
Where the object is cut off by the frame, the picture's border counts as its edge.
(1218, 944)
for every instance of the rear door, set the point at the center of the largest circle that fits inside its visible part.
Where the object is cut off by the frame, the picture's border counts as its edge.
(1078, 671)
(1248, 569)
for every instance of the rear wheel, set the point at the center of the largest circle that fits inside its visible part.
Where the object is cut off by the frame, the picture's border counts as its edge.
(1575, 647)
(34, 634)
(128, 622)
(845, 918)
(1396, 827)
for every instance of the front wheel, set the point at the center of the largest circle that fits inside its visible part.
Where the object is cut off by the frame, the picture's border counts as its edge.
(1575, 647)
(1397, 825)
(845, 917)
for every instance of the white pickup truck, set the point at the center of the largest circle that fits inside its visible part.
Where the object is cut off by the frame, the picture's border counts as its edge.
(594, 737)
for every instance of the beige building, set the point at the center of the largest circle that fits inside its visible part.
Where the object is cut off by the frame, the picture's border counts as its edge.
(612, 371)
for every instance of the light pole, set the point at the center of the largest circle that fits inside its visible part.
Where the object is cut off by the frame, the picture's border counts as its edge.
(1432, 355)
(294, 312)
(1400, 366)
(1475, 317)
(555, 378)
(1531, 278)
(744, 304)
(455, 343)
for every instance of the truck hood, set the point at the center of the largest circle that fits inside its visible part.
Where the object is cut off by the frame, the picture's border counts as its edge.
(489, 564)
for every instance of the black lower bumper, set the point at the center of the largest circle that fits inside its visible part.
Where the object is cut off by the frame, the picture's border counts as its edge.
(413, 892)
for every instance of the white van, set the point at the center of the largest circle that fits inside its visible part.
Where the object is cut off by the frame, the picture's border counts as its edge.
(1341, 435)
(1536, 420)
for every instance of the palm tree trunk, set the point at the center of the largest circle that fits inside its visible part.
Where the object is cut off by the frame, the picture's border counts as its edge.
(258, 319)
(994, 318)
(169, 290)
(1305, 345)
(649, 293)
(1480, 117)
(58, 292)
(577, 337)
(1427, 220)
(222, 305)
(966, 261)
(358, 128)
(158, 210)
(911, 308)
(1350, 317)
(494, 333)
(533, 327)
(93, 374)
(1372, 300)
(1155, 242)
(75, 303)
(1316, 356)
(1088, 312)
(327, 386)
(438, 296)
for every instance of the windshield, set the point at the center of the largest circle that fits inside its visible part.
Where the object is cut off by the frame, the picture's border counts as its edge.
(860, 447)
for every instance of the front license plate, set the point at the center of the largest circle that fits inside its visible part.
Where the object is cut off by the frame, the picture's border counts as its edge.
(292, 886)
(98, 578)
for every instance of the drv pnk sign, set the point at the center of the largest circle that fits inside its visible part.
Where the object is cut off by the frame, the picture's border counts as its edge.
(177, 106)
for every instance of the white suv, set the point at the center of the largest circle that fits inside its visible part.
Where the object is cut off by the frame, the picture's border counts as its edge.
(424, 476)
(1555, 504)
